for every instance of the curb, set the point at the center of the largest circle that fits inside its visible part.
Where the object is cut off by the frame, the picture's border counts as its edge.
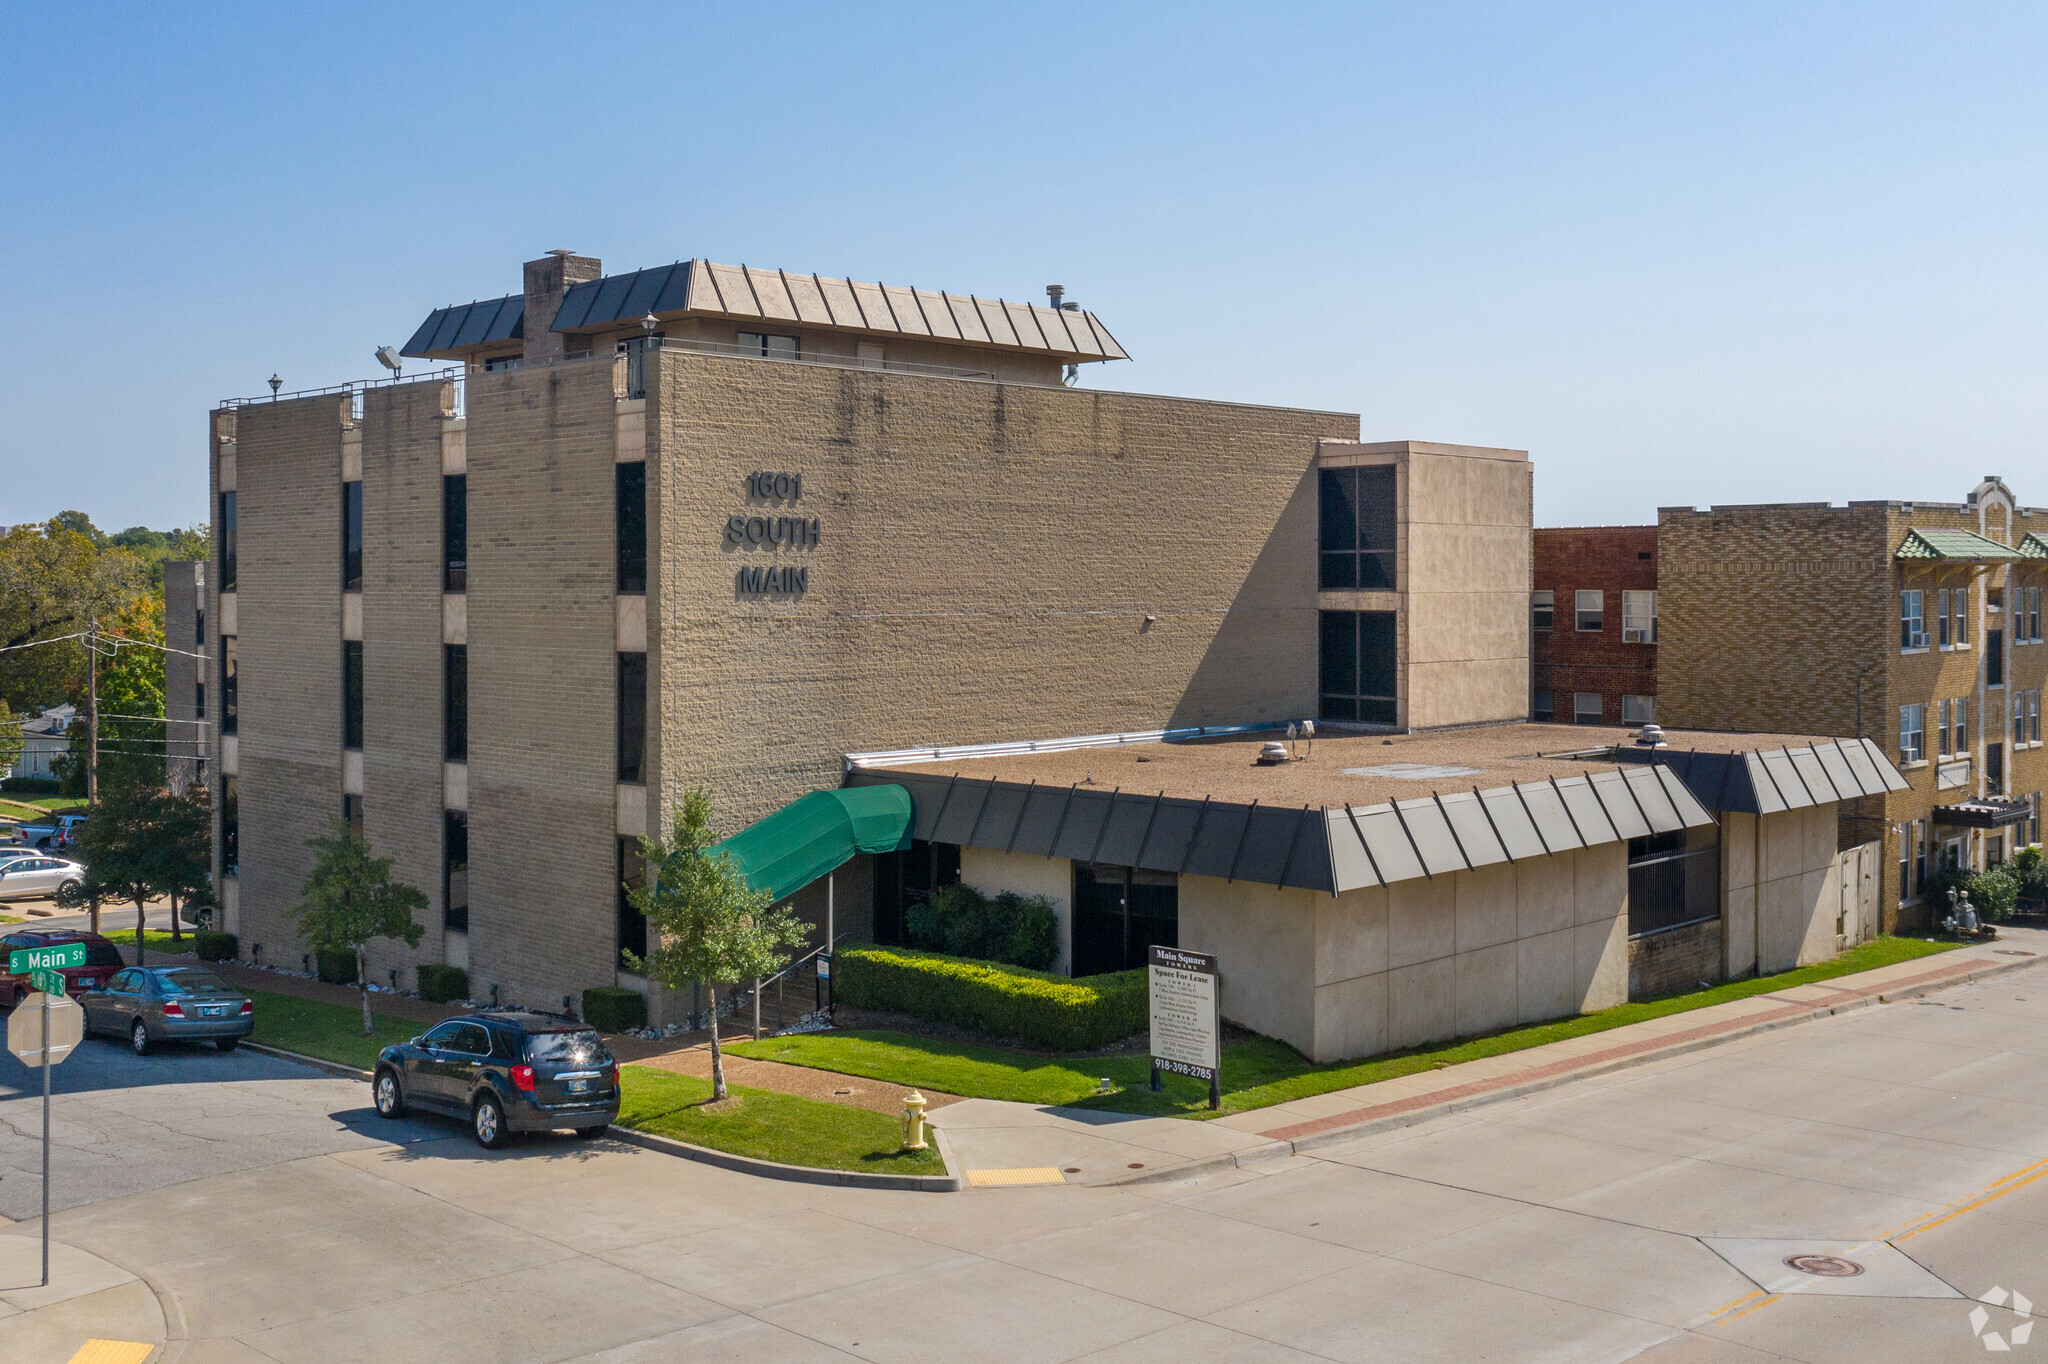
(1281, 1149)
(796, 1174)
(331, 1067)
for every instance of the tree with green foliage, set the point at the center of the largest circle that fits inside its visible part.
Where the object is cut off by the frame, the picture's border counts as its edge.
(706, 922)
(185, 851)
(11, 742)
(121, 847)
(54, 578)
(350, 898)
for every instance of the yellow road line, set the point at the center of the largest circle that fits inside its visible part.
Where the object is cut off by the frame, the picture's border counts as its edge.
(1755, 1307)
(1972, 1206)
(986, 1179)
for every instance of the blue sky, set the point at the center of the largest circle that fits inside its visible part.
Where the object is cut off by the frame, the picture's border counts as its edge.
(1683, 255)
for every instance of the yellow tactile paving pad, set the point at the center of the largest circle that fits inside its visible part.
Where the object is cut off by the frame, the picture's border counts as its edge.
(112, 1352)
(985, 1179)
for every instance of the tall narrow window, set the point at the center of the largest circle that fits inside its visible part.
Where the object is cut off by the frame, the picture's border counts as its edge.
(352, 694)
(455, 702)
(455, 532)
(1960, 599)
(1960, 714)
(1356, 530)
(1912, 733)
(1358, 666)
(352, 536)
(1542, 610)
(455, 871)
(1941, 618)
(1913, 619)
(227, 542)
(352, 814)
(1994, 658)
(632, 723)
(2034, 614)
(632, 923)
(230, 826)
(229, 691)
(629, 483)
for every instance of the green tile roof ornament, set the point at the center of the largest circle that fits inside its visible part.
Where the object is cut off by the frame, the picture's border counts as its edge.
(1956, 546)
(2034, 547)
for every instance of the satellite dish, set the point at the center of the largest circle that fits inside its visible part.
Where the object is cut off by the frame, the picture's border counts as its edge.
(388, 357)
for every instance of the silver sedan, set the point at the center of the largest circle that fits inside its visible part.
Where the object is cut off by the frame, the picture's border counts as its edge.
(169, 1004)
(22, 877)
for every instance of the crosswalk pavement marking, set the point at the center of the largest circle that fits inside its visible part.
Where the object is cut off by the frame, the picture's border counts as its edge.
(1044, 1174)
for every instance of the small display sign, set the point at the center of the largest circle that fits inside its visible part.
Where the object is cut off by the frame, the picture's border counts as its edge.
(56, 957)
(1186, 1028)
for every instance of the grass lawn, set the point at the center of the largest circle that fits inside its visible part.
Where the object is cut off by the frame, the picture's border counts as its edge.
(31, 807)
(332, 1032)
(1257, 1071)
(769, 1126)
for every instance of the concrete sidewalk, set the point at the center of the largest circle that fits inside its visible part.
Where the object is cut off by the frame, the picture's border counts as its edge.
(1013, 1143)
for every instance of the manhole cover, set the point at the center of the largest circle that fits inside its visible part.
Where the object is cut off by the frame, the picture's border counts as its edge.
(2012, 952)
(1825, 1266)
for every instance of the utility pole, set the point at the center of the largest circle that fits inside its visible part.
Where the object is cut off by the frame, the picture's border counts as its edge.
(92, 711)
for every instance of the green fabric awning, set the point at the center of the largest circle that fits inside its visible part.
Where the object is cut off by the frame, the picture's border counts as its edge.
(817, 834)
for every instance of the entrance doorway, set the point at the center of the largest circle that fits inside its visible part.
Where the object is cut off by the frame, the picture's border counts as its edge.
(1119, 912)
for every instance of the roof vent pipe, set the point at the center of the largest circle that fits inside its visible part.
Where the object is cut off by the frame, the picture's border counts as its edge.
(1055, 292)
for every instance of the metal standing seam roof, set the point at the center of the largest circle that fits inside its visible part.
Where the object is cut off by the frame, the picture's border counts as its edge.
(747, 292)
(470, 324)
(1310, 848)
(1961, 546)
(1770, 781)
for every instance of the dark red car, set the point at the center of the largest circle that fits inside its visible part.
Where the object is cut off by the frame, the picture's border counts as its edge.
(102, 959)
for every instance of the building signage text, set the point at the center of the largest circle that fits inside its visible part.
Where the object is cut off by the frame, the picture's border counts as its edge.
(1186, 1039)
(798, 532)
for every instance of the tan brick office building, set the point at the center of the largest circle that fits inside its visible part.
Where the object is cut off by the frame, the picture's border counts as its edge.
(1913, 623)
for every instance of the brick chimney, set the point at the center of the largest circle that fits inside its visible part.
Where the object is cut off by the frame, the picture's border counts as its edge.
(547, 279)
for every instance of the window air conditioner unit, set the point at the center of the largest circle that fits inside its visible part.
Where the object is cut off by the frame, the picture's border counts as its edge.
(1636, 636)
(1919, 641)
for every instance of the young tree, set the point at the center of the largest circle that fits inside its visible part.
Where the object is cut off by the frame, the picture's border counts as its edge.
(706, 922)
(185, 851)
(350, 898)
(121, 849)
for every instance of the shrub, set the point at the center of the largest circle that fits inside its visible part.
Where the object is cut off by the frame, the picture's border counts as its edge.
(440, 984)
(614, 1008)
(2032, 869)
(1993, 892)
(30, 786)
(959, 921)
(336, 968)
(1054, 1012)
(214, 946)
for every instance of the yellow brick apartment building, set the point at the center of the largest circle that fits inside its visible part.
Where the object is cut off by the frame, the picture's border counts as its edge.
(1916, 624)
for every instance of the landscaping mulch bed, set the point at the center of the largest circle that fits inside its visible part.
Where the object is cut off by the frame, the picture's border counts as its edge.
(878, 1096)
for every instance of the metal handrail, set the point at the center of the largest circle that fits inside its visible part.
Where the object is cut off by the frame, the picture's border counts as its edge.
(355, 387)
(784, 975)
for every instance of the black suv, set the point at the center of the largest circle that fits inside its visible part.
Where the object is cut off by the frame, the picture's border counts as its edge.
(505, 1072)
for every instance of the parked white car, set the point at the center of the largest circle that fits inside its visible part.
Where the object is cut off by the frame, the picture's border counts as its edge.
(23, 877)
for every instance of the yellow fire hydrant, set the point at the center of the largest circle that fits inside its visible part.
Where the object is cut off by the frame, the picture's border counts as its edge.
(913, 1121)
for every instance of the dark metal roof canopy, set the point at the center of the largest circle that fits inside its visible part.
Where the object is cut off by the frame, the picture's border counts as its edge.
(1985, 812)
(470, 324)
(1769, 781)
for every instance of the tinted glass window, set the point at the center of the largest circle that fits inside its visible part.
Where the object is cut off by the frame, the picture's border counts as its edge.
(567, 1049)
(352, 537)
(1356, 533)
(444, 1034)
(455, 871)
(227, 542)
(631, 488)
(475, 1039)
(102, 954)
(455, 532)
(632, 924)
(632, 714)
(193, 982)
(1358, 665)
(455, 702)
(352, 694)
(230, 692)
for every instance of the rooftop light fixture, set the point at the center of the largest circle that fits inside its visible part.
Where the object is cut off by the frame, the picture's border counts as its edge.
(275, 384)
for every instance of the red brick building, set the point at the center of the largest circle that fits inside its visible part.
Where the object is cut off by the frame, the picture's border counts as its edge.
(1593, 654)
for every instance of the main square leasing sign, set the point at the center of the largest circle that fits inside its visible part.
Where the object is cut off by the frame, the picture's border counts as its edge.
(1185, 1039)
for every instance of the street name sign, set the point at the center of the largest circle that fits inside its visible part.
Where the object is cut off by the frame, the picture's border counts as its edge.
(56, 957)
(49, 982)
(25, 1029)
(1186, 1029)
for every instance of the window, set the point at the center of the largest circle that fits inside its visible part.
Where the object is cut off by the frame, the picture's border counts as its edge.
(229, 690)
(1590, 606)
(352, 536)
(1639, 618)
(351, 694)
(773, 347)
(227, 542)
(629, 482)
(1119, 913)
(2033, 825)
(1356, 528)
(2034, 716)
(498, 362)
(1542, 609)
(632, 714)
(1961, 600)
(199, 700)
(455, 871)
(1586, 708)
(1959, 711)
(1994, 658)
(1912, 858)
(230, 826)
(1941, 618)
(1358, 665)
(2034, 614)
(908, 877)
(1912, 733)
(632, 923)
(1674, 880)
(352, 814)
(1912, 619)
(455, 702)
(1994, 768)
(1639, 710)
(455, 532)
(1541, 707)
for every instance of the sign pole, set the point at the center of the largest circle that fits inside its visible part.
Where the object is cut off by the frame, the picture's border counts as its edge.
(46, 1139)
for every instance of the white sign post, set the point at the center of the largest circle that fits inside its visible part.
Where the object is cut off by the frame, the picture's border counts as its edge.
(1186, 1029)
(41, 1033)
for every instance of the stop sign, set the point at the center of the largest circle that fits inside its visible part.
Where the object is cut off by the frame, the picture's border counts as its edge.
(25, 1029)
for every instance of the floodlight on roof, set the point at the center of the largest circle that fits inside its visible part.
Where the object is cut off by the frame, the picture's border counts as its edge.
(387, 356)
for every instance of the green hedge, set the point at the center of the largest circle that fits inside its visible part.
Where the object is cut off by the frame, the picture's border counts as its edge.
(441, 984)
(29, 786)
(1055, 1012)
(214, 946)
(336, 968)
(614, 1008)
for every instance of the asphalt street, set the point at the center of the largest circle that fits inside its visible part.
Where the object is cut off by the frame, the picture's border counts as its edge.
(257, 1212)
